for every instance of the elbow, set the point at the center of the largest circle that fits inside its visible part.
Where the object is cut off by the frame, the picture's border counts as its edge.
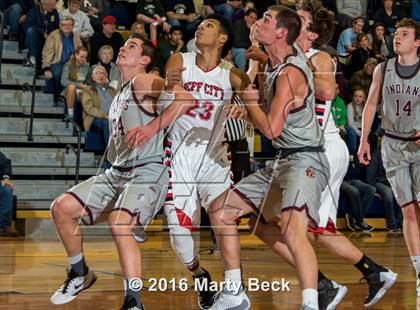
(328, 94)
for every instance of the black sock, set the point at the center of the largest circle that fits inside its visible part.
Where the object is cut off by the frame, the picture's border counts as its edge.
(367, 266)
(129, 291)
(80, 268)
(321, 276)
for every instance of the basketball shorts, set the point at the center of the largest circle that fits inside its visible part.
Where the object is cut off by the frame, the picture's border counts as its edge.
(401, 161)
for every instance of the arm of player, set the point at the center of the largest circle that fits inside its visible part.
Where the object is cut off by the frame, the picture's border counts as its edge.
(324, 78)
(239, 81)
(291, 90)
(368, 115)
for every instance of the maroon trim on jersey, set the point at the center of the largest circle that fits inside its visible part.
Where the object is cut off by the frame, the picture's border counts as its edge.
(126, 211)
(205, 71)
(304, 207)
(406, 77)
(248, 202)
(83, 204)
(320, 230)
(401, 138)
(139, 105)
(406, 204)
(307, 83)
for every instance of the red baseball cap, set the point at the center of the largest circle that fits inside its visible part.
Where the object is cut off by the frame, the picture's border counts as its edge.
(109, 19)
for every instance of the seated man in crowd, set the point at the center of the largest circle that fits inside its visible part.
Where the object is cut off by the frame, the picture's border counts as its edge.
(15, 12)
(363, 78)
(81, 20)
(58, 48)
(387, 15)
(6, 198)
(174, 44)
(152, 12)
(347, 41)
(106, 54)
(42, 19)
(96, 101)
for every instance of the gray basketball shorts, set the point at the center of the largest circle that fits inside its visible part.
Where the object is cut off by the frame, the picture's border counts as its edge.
(140, 192)
(295, 182)
(401, 161)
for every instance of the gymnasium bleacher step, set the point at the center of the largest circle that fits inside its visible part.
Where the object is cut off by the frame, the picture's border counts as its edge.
(42, 127)
(19, 98)
(16, 74)
(46, 157)
(23, 139)
(31, 171)
(27, 190)
(27, 110)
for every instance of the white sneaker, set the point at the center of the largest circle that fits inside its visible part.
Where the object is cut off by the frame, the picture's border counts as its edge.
(226, 300)
(139, 234)
(379, 283)
(73, 285)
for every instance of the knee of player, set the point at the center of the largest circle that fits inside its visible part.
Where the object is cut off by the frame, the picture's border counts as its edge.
(293, 237)
(409, 212)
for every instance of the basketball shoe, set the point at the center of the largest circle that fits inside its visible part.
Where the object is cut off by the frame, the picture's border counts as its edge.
(130, 303)
(379, 282)
(72, 286)
(227, 300)
(205, 295)
(330, 294)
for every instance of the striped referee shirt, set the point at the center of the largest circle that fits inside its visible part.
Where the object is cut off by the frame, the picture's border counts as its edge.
(236, 128)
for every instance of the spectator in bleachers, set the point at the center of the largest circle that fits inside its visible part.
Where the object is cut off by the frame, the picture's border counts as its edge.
(363, 78)
(225, 8)
(182, 13)
(6, 198)
(359, 196)
(15, 12)
(107, 36)
(387, 15)
(152, 12)
(347, 41)
(94, 10)
(96, 102)
(138, 27)
(361, 54)
(105, 55)
(348, 10)
(241, 41)
(58, 48)
(375, 175)
(380, 43)
(339, 111)
(81, 20)
(354, 119)
(73, 78)
(240, 14)
(174, 44)
(42, 19)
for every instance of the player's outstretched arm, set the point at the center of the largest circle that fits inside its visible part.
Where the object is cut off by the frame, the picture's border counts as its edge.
(239, 81)
(368, 115)
(324, 77)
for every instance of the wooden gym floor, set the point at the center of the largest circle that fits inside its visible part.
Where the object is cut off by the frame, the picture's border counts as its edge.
(31, 271)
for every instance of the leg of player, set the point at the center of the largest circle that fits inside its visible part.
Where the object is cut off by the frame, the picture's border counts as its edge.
(121, 224)
(411, 230)
(66, 212)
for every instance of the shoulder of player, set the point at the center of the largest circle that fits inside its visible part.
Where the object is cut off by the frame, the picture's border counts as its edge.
(175, 60)
(292, 71)
(147, 82)
(321, 59)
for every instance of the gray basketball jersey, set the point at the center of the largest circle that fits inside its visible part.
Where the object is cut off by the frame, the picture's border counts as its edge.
(400, 111)
(301, 128)
(127, 112)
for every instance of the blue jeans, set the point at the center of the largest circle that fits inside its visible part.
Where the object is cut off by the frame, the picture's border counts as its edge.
(352, 140)
(54, 85)
(103, 125)
(11, 16)
(393, 218)
(359, 196)
(239, 59)
(224, 9)
(6, 206)
(34, 41)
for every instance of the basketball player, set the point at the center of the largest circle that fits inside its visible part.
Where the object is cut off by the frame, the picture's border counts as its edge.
(300, 170)
(134, 187)
(317, 29)
(396, 85)
(200, 169)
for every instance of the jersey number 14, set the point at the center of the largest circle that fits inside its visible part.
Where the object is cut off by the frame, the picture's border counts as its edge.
(406, 108)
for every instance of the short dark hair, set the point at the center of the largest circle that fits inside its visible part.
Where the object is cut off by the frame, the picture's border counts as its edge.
(148, 49)
(409, 23)
(175, 28)
(323, 23)
(250, 11)
(225, 28)
(289, 19)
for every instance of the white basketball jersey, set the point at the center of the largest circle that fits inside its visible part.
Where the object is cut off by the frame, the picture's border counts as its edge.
(322, 107)
(212, 90)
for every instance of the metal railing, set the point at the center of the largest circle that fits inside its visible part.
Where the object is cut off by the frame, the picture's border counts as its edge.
(77, 150)
(1, 39)
(33, 91)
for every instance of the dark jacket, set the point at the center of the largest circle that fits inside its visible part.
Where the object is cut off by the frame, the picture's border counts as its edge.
(5, 166)
(26, 5)
(375, 171)
(42, 23)
(241, 34)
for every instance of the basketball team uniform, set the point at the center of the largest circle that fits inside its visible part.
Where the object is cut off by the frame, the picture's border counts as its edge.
(400, 118)
(137, 181)
(338, 158)
(300, 171)
(198, 158)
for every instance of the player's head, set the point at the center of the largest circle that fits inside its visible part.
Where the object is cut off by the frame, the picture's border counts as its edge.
(407, 36)
(137, 51)
(213, 31)
(317, 23)
(278, 23)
